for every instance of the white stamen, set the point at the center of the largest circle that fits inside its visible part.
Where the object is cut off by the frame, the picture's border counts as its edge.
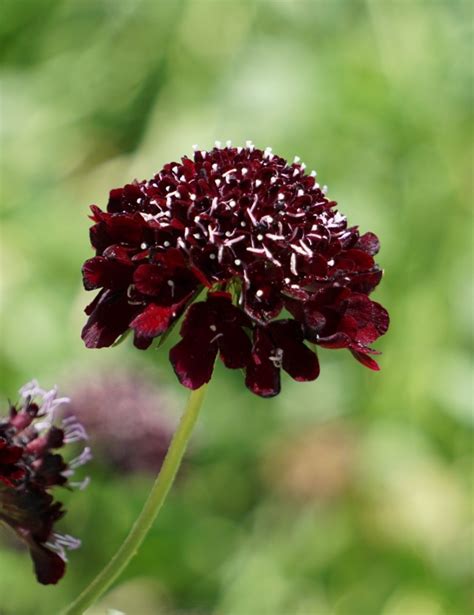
(237, 262)
(218, 182)
(253, 219)
(81, 459)
(212, 257)
(271, 257)
(214, 166)
(259, 293)
(300, 192)
(195, 146)
(230, 242)
(298, 249)
(324, 189)
(217, 144)
(143, 246)
(258, 182)
(244, 171)
(277, 357)
(213, 204)
(293, 264)
(81, 485)
(308, 250)
(273, 180)
(228, 143)
(313, 173)
(213, 327)
(331, 262)
(166, 244)
(274, 237)
(229, 172)
(296, 159)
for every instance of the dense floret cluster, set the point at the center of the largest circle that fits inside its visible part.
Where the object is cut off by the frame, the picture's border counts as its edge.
(280, 265)
(29, 469)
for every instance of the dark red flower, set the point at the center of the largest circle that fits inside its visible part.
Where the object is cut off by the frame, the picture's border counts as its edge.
(29, 469)
(242, 222)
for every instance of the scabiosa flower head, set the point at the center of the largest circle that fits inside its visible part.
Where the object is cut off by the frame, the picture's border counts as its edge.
(280, 264)
(29, 468)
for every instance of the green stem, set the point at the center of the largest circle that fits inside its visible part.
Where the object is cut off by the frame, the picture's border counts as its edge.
(148, 515)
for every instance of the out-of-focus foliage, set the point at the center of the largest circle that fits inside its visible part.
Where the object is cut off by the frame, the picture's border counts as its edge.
(346, 496)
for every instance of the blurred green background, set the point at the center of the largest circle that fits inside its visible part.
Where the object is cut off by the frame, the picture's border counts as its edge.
(347, 496)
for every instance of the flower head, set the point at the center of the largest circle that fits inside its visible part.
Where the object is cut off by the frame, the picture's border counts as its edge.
(29, 468)
(262, 237)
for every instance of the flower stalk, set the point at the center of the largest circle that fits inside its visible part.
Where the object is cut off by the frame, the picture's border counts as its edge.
(143, 524)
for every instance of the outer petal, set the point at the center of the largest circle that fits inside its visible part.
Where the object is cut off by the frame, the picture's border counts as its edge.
(262, 375)
(193, 362)
(369, 243)
(106, 272)
(153, 321)
(263, 300)
(366, 360)
(298, 360)
(49, 567)
(111, 317)
(365, 282)
(235, 347)
(149, 279)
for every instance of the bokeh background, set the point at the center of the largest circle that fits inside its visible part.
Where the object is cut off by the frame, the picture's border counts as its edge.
(347, 496)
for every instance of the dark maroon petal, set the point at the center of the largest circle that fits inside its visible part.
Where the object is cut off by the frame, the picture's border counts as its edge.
(235, 348)
(337, 340)
(9, 454)
(149, 279)
(369, 242)
(364, 320)
(366, 360)
(365, 282)
(263, 375)
(153, 321)
(297, 360)
(199, 318)
(49, 566)
(300, 362)
(110, 318)
(354, 260)
(100, 271)
(263, 300)
(193, 362)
